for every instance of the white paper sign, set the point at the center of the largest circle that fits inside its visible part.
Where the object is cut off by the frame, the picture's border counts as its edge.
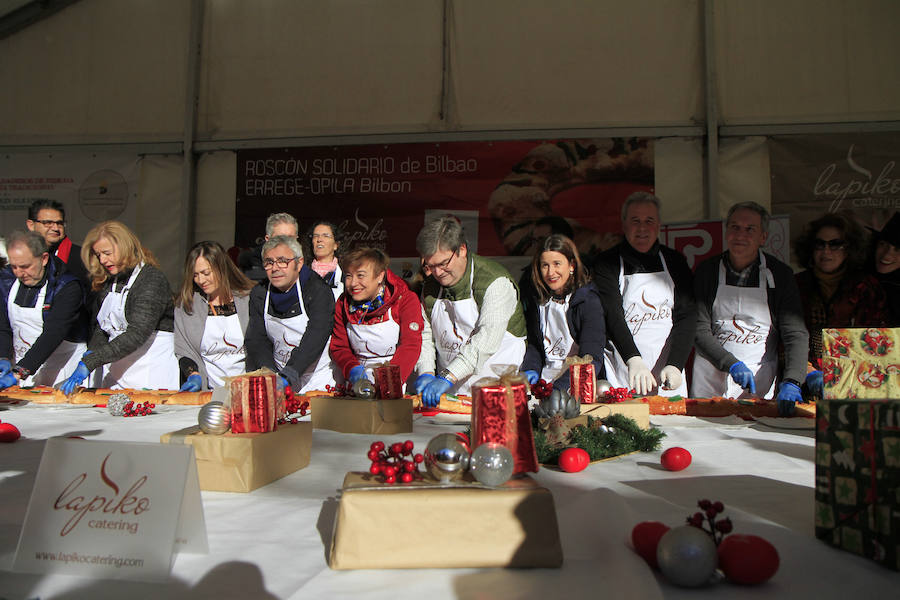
(112, 510)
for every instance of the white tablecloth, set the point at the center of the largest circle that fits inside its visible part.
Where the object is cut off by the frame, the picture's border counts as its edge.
(271, 543)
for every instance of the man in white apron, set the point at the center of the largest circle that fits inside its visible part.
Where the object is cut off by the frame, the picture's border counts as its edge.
(43, 329)
(747, 301)
(647, 292)
(474, 325)
(291, 318)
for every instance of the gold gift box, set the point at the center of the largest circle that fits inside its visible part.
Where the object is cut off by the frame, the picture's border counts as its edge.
(359, 415)
(426, 525)
(242, 462)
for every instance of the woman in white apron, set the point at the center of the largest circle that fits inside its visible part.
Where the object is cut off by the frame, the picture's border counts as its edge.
(377, 319)
(291, 319)
(564, 314)
(211, 316)
(324, 240)
(133, 337)
(35, 334)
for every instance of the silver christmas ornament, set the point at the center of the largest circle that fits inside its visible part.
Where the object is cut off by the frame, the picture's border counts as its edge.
(446, 457)
(687, 556)
(363, 388)
(214, 418)
(115, 404)
(603, 386)
(491, 464)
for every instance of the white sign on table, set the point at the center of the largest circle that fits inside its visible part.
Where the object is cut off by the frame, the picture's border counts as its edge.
(112, 510)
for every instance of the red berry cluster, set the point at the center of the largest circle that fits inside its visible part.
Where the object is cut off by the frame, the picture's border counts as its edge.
(541, 389)
(293, 405)
(389, 461)
(717, 529)
(137, 410)
(620, 394)
(338, 390)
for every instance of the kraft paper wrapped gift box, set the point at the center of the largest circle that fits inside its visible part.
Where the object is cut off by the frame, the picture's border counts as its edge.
(636, 410)
(858, 477)
(242, 462)
(465, 525)
(861, 363)
(360, 415)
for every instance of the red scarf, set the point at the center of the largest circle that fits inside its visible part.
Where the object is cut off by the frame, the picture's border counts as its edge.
(65, 247)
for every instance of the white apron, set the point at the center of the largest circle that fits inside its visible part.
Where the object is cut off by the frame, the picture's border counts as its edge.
(452, 323)
(741, 321)
(222, 349)
(558, 341)
(27, 326)
(374, 343)
(153, 365)
(338, 284)
(648, 301)
(286, 335)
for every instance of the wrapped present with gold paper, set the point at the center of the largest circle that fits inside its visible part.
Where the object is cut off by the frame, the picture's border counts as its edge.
(388, 384)
(500, 414)
(861, 363)
(582, 378)
(373, 529)
(256, 400)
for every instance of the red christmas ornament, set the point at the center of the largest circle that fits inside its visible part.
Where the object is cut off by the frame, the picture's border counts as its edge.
(9, 432)
(675, 459)
(572, 460)
(747, 559)
(645, 537)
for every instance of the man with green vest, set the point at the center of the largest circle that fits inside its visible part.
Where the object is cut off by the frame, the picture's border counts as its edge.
(474, 324)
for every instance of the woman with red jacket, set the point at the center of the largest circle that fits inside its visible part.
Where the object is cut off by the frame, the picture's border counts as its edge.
(376, 320)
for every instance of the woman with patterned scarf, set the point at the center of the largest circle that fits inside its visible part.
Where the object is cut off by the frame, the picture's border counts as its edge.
(376, 320)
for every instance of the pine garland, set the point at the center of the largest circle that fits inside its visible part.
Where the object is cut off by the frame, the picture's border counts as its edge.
(626, 437)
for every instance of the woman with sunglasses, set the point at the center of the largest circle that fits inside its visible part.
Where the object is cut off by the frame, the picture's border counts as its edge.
(835, 289)
(324, 243)
(564, 314)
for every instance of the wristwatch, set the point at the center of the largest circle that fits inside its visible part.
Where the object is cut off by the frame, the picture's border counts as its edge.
(447, 375)
(21, 372)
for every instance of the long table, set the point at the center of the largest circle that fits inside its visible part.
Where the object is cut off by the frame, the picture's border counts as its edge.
(272, 543)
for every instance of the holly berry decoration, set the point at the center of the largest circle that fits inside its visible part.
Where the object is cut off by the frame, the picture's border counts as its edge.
(675, 459)
(747, 559)
(395, 462)
(617, 394)
(542, 389)
(294, 407)
(137, 410)
(9, 433)
(338, 390)
(710, 510)
(645, 538)
(572, 460)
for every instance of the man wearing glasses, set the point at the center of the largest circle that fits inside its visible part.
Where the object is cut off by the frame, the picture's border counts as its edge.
(474, 324)
(250, 261)
(48, 219)
(746, 301)
(291, 317)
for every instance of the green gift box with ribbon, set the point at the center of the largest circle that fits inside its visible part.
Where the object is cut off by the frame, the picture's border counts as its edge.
(858, 477)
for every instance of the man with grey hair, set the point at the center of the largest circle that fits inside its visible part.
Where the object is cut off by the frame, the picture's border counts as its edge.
(748, 301)
(649, 301)
(250, 261)
(291, 317)
(43, 327)
(474, 324)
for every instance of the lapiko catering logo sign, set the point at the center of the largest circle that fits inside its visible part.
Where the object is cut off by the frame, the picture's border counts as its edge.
(865, 188)
(111, 508)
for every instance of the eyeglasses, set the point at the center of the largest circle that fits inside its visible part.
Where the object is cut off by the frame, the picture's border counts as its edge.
(820, 244)
(324, 236)
(48, 223)
(443, 265)
(280, 261)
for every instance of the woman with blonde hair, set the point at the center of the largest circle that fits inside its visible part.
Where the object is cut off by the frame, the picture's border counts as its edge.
(132, 336)
(211, 316)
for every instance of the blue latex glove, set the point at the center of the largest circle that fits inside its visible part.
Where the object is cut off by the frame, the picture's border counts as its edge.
(284, 381)
(431, 395)
(815, 384)
(74, 380)
(5, 366)
(788, 397)
(8, 380)
(743, 376)
(194, 383)
(423, 380)
(356, 373)
(532, 376)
